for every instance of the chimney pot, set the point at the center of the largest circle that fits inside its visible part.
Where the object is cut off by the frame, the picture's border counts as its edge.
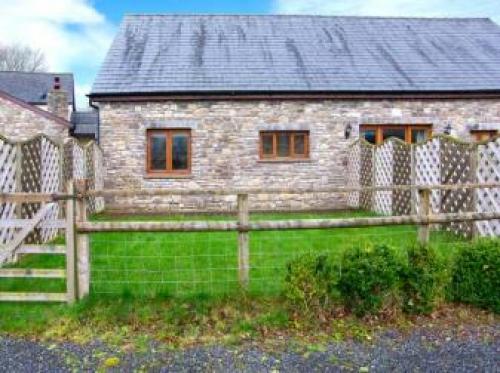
(57, 83)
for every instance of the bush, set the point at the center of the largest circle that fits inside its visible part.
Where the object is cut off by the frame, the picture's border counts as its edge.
(310, 282)
(476, 275)
(423, 280)
(369, 278)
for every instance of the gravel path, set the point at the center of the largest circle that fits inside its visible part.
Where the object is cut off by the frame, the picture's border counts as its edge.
(469, 350)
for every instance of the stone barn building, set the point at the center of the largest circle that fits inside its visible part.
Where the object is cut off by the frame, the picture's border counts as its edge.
(202, 101)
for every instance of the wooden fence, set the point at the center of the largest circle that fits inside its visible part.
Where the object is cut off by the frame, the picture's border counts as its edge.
(41, 165)
(77, 226)
(440, 160)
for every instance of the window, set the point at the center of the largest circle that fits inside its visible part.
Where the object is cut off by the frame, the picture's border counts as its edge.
(411, 134)
(168, 152)
(284, 145)
(483, 135)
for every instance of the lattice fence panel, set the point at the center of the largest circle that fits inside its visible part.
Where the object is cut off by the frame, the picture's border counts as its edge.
(366, 174)
(79, 166)
(31, 179)
(89, 164)
(50, 181)
(353, 173)
(456, 168)
(401, 199)
(488, 200)
(8, 161)
(428, 170)
(99, 171)
(383, 174)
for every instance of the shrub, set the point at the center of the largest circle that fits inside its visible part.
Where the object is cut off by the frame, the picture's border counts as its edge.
(310, 281)
(476, 275)
(423, 280)
(369, 278)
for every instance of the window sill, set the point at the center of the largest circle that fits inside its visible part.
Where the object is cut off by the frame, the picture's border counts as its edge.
(168, 176)
(304, 160)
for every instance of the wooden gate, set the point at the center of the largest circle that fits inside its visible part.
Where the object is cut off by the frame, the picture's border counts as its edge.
(43, 219)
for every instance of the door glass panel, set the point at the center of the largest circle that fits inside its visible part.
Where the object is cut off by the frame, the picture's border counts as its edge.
(283, 145)
(418, 135)
(393, 132)
(299, 144)
(158, 152)
(180, 152)
(369, 135)
(267, 144)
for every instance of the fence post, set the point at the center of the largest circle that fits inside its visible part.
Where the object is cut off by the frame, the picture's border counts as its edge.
(424, 229)
(243, 251)
(82, 246)
(71, 285)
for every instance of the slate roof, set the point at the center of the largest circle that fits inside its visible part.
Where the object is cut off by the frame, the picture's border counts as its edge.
(85, 123)
(33, 87)
(225, 53)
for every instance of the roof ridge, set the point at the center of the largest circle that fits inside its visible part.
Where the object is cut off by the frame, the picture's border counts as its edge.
(299, 15)
(36, 72)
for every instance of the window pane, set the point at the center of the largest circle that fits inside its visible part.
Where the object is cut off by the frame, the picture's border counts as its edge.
(283, 145)
(267, 144)
(418, 135)
(299, 144)
(180, 152)
(393, 132)
(369, 135)
(158, 152)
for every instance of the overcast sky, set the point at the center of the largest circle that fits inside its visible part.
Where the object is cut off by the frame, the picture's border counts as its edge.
(75, 34)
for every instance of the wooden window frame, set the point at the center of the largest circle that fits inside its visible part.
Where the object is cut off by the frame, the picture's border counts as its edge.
(291, 145)
(169, 171)
(479, 134)
(379, 128)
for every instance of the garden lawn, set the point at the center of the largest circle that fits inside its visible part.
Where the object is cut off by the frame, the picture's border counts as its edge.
(184, 264)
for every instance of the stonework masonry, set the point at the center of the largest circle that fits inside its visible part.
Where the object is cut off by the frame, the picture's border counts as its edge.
(225, 145)
(19, 123)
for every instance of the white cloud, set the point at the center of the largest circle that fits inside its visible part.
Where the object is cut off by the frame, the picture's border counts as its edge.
(72, 33)
(414, 8)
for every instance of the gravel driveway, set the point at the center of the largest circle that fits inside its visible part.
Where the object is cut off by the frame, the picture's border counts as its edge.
(469, 350)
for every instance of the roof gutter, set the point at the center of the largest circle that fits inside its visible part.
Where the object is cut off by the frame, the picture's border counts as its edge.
(290, 95)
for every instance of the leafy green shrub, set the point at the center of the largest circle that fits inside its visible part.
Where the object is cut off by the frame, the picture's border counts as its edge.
(369, 278)
(476, 275)
(310, 281)
(423, 280)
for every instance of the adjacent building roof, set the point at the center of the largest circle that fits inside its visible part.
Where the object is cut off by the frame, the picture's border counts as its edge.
(85, 123)
(241, 54)
(34, 87)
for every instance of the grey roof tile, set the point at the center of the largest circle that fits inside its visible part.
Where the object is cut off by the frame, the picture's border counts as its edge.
(85, 123)
(221, 53)
(33, 87)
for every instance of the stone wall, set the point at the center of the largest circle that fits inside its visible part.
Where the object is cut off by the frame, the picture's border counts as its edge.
(225, 141)
(20, 123)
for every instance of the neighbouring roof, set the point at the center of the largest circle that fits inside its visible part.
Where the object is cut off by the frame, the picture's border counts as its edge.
(34, 87)
(238, 54)
(85, 123)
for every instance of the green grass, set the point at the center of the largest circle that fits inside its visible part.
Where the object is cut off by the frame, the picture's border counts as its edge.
(140, 279)
(173, 264)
